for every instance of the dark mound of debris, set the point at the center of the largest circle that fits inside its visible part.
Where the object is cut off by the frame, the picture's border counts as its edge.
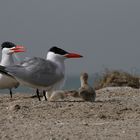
(117, 79)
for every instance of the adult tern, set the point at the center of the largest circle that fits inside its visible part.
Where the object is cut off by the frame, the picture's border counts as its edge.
(8, 49)
(42, 74)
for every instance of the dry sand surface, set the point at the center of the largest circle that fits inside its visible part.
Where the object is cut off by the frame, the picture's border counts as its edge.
(114, 116)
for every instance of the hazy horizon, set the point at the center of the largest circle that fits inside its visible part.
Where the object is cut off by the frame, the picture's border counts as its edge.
(105, 32)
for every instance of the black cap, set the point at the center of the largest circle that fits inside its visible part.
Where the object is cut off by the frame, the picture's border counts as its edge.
(7, 45)
(57, 50)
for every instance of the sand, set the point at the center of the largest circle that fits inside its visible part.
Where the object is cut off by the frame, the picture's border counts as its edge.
(115, 115)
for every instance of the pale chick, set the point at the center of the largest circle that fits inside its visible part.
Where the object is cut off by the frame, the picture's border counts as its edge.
(57, 95)
(62, 94)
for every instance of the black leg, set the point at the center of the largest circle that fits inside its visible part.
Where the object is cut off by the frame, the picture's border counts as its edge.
(11, 93)
(37, 93)
(44, 94)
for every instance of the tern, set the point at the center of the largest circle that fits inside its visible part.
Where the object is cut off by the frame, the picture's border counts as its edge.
(8, 49)
(42, 74)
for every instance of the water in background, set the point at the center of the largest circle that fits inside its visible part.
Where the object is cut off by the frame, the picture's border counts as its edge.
(72, 82)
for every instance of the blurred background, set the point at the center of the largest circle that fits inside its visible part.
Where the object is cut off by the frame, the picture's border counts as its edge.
(105, 32)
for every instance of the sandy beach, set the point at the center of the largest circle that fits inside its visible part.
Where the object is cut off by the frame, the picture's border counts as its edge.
(114, 115)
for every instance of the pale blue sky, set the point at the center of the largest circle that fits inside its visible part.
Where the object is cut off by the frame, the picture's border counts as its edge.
(105, 32)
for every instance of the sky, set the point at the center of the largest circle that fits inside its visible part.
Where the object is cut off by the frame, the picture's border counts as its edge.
(105, 32)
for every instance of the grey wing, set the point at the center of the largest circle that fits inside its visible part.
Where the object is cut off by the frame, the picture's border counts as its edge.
(36, 71)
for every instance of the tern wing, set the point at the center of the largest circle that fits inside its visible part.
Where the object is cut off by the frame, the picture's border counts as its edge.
(36, 71)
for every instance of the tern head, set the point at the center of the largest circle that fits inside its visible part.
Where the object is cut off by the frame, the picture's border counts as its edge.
(10, 48)
(60, 54)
